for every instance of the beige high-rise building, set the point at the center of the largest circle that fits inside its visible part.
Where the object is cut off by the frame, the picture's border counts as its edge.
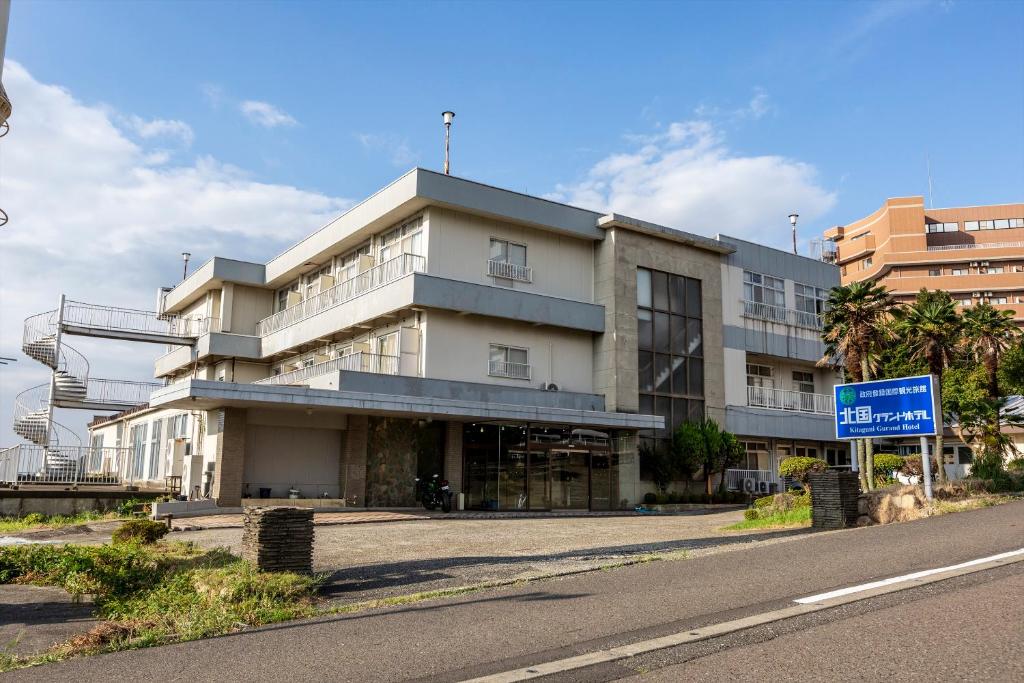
(975, 253)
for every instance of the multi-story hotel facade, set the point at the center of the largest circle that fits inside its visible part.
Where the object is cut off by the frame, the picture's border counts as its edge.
(975, 253)
(523, 349)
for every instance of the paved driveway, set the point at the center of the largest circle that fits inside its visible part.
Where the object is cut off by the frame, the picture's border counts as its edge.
(372, 560)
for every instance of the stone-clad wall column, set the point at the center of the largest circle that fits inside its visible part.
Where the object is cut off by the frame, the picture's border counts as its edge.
(353, 464)
(453, 456)
(228, 472)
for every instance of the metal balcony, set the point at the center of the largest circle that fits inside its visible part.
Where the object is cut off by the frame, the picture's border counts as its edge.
(354, 362)
(510, 271)
(785, 399)
(781, 315)
(497, 368)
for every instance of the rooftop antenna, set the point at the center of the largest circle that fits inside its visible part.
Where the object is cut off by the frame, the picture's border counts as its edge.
(184, 257)
(447, 116)
(792, 222)
(931, 197)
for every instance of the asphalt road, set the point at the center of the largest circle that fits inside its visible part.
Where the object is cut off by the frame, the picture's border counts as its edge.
(502, 629)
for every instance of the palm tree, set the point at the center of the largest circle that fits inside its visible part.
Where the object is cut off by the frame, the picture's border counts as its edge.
(855, 325)
(988, 333)
(931, 328)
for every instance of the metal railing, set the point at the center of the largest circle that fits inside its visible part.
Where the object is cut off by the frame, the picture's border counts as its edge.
(356, 362)
(38, 327)
(785, 399)
(74, 465)
(71, 361)
(499, 368)
(781, 315)
(120, 392)
(762, 479)
(375, 277)
(509, 271)
(115, 318)
(978, 245)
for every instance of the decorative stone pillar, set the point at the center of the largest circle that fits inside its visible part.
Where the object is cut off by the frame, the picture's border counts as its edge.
(353, 464)
(834, 499)
(453, 456)
(230, 466)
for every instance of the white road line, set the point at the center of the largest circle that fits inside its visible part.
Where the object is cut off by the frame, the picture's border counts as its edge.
(814, 603)
(906, 577)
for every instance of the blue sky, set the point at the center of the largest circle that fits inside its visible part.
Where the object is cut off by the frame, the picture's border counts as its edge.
(144, 129)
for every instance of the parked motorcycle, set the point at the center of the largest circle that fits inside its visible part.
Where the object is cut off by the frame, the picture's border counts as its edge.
(435, 493)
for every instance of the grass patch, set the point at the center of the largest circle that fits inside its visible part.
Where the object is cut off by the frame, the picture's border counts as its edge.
(156, 594)
(942, 507)
(37, 521)
(784, 519)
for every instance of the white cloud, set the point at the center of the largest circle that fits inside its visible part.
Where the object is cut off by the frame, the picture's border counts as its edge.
(161, 128)
(265, 114)
(686, 177)
(104, 219)
(396, 149)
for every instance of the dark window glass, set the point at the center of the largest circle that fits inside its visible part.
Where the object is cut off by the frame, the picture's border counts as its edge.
(694, 339)
(646, 404)
(645, 363)
(678, 375)
(693, 306)
(696, 378)
(678, 334)
(677, 293)
(663, 407)
(696, 410)
(661, 373)
(660, 289)
(661, 333)
(644, 329)
(679, 412)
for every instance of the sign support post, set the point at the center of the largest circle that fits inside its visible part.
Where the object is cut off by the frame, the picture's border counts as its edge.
(926, 468)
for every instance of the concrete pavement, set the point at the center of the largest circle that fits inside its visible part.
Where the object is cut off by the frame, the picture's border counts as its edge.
(502, 629)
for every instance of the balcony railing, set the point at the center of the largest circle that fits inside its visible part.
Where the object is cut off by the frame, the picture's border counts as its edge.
(498, 368)
(119, 392)
(783, 316)
(116, 318)
(785, 399)
(355, 362)
(510, 271)
(979, 245)
(74, 465)
(375, 277)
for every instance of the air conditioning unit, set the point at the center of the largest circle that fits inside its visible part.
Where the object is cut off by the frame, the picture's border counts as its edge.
(749, 485)
(984, 263)
(974, 264)
(1020, 300)
(1018, 269)
(762, 487)
(975, 294)
(549, 386)
(988, 293)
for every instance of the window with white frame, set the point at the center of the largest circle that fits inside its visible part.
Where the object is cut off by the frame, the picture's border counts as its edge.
(508, 260)
(407, 238)
(964, 302)
(934, 272)
(509, 361)
(959, 271)
(971, 226)
(942, 227)
(998, 300)
(311, 279)
(348, 265)
(179, 426)
(764, 289)
(993, 270)
(753, 452)
(866, 263)
(155, 445)
(760, 376)
(810, 299)
(282, 295)
(137, 437)
(803, 381)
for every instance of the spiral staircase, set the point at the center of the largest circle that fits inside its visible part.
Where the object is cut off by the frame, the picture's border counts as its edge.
(54, 454)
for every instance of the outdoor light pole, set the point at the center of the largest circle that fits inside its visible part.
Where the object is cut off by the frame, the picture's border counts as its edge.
(184, 257)
(792, 221)
(447, 116)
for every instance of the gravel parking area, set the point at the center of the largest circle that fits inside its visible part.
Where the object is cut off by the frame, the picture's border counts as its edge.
(374, 560)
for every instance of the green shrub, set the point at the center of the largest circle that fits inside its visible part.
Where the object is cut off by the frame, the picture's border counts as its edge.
(803, 500)
(34, 518)
(764, 502)
(140, 531)
(673, 497)
(650, 499)
(912, 466)
(887, 463)
(662, 499)
(685, 498)
(751, 513)
(126, 508)
(1016, 465)
(801, 467)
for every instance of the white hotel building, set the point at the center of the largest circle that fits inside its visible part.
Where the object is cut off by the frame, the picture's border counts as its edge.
(521, 348)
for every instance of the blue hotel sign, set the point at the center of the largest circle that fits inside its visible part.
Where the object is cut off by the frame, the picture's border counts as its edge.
(886, 408)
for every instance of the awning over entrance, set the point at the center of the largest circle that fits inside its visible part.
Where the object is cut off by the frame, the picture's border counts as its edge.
(196, 394)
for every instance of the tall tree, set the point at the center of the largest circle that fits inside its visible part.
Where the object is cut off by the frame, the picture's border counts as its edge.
(705, 445)
(855, 329)
(988, 334)
(931, 328)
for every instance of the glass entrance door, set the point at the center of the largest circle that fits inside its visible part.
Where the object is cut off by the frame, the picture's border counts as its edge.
(570, 479)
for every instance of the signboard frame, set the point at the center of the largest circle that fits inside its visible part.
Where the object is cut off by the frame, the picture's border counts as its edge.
(892, 382)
